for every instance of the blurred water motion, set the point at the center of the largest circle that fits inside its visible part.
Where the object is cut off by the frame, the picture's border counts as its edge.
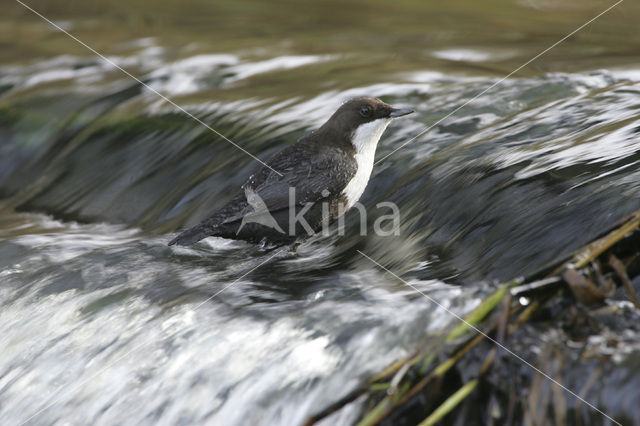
(104, 322)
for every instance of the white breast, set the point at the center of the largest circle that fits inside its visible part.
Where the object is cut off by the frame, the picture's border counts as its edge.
(365, 140)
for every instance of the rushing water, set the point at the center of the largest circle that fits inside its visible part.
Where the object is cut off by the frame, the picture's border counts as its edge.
(102, 323)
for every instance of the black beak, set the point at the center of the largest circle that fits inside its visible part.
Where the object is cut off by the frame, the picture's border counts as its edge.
(399, 112)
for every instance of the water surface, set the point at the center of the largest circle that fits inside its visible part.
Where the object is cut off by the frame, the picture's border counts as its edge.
(102, 323)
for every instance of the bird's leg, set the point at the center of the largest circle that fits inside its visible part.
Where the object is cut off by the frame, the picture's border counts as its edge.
(293, 248)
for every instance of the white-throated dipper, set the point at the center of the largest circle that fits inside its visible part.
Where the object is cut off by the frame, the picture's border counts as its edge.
(321, 176)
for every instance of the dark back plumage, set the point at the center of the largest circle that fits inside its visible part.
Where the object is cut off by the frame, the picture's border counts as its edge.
(318, 167)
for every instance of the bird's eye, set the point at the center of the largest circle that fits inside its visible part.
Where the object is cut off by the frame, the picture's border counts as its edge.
(365, 111)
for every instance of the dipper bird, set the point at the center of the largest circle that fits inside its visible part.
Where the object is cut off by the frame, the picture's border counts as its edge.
(320, 177)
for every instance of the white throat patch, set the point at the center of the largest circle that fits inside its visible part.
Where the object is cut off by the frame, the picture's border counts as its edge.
(365, 140)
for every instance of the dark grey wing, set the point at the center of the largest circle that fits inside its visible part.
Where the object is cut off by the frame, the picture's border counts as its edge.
(210, 225)
(311, 179)
(314, 173)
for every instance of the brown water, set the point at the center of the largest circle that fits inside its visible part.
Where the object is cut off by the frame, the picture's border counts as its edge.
(100, 322)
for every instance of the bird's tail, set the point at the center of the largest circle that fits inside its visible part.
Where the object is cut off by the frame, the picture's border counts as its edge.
(190, 236)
